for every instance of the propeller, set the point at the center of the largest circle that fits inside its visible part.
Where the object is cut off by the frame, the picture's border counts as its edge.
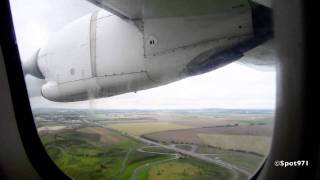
(30, 66)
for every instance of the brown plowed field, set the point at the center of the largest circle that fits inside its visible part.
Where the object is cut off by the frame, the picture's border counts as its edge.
(190, 135)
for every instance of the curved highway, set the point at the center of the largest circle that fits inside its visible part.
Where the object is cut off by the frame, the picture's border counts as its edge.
(236, 171)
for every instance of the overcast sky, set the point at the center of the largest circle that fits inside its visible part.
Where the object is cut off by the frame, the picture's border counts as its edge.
(233, 86)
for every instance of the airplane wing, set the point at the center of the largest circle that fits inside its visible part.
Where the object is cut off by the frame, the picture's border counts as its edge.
(176, 24)
(141, 9)
(128, 9)
(266, 3)
(262, 57)
(161, 21)
(146, 44)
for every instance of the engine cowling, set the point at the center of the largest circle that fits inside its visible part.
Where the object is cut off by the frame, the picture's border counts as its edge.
(102, 55)
(98, 55)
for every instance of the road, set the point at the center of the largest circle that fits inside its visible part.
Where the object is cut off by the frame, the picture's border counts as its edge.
(123, 164)
(142, 149)
(140, 168)
(236, 171)
(193, 147)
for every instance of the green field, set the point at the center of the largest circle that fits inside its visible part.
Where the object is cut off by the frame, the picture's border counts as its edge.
(247, 143)
(246, 161)
(205, 149)
(145, 128)
(184, 147)
(187, 169)
(158, 149)
(84, 156)
(249, 162)
(98, 153)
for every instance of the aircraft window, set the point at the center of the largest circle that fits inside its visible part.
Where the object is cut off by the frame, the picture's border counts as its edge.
(199, 104)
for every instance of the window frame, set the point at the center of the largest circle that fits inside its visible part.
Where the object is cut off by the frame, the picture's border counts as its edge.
(309, 150)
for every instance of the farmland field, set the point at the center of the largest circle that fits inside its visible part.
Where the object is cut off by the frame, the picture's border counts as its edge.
(184, 146)
(99, 153)
(157, 149)
(191, 136)
(148, 145)
(144, 128)
(255, 144)
(186, 169)
(85, 155)
(247, 161)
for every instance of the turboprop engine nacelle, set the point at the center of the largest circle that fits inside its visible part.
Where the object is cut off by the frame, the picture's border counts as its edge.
(101, 55)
